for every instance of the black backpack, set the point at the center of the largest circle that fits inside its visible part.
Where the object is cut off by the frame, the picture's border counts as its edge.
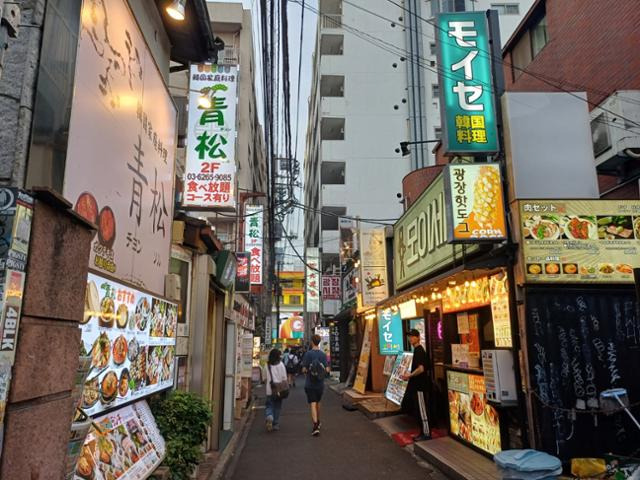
(317, 370)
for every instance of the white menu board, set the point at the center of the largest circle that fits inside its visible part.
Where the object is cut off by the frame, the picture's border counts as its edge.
(130, 447)
(131, 337)
(397, 387)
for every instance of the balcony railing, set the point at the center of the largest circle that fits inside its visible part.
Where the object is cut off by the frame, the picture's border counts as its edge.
(331, 21)
(228, 56)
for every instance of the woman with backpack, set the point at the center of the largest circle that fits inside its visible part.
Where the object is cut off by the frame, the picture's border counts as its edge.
(277, 389)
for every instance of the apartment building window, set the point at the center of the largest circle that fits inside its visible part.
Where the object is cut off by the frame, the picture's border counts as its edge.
(432, 48)
(447, 6)
(295, 300)
(435, 90)
(530, 44)
(332, 173)
(506, 8)
(332, 86)
(331, 44)
(330, 217)
(332, 128)
(437, 133)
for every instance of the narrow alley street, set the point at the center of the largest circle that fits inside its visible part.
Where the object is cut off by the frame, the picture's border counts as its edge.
(350, 446)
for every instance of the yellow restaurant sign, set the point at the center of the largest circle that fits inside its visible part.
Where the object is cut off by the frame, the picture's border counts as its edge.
(475, 204)
(580, 241)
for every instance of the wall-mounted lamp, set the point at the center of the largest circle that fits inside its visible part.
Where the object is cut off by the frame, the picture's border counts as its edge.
(176, 9)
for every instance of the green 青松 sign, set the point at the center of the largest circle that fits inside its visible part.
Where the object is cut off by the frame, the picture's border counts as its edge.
(466, 86)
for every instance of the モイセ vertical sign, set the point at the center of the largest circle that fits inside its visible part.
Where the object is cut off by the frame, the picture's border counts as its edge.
(467, 99)
(210, 173)
(253, 242)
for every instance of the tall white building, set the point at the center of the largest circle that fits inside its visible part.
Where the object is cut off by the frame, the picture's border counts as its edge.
(366, 97)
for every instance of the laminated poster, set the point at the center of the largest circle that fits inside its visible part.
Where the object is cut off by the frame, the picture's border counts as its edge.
(397, 387)
(129, 447)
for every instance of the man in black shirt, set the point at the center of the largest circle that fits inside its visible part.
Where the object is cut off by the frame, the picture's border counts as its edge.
(417, 386)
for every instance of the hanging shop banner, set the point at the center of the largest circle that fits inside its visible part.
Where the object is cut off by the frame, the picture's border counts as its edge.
(420, 238)
(253, 241)
(312, 280)
(119, 167)
(373, 270)
(350, 287)
(128, 447)
(331, 287)
(475, 203)
(131, 337)
(390, 332)
(243, 278)
(397, 386)
(362, 373)
(291, 326)
(334, 348)
(16, 214)
(500, 314)
(247, 355)
(471, 418)
(468, 112)
(210, 172)
(580, 241)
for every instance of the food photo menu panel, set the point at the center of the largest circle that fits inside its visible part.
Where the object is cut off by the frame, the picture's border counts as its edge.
(131, 337)
(580, 241)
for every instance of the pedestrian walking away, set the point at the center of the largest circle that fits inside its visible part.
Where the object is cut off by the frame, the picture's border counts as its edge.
(415, 398)
(288, 360)
(315, 367)
(276, 387)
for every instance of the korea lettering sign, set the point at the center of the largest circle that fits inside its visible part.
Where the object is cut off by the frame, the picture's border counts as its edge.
(312, 280)
(253, 242)
(331, 287)
(475, 204)
(390, 331)
(210, 172)
(467, 100)
(119, 168)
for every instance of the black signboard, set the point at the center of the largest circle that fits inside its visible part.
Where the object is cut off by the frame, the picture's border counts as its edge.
(582, 342)
(243, 284)
(334, 344)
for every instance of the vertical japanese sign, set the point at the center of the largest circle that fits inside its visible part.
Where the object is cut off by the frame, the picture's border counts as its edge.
(500, 314)
(474, 202)
(120, 161)
(362, 372)
(243, 278)
(312, 280)
(466, 85)
(16, 213)
(390, 331)
(253, 241)
(210, 172)
(373, 272)
(331, 287)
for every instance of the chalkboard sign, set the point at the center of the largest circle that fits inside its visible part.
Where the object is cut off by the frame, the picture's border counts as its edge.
(580, 343)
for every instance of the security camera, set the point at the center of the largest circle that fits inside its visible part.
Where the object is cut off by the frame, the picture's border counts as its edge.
(399, 195)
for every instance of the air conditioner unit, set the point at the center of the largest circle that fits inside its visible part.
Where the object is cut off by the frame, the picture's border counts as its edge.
(615, 132)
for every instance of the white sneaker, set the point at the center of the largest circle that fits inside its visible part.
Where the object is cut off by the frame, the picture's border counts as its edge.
(269, 423)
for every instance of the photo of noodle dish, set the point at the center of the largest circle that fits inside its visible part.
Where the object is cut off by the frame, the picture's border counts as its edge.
(542, 227)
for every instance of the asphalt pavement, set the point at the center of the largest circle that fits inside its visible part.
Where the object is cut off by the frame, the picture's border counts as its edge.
(350, 446)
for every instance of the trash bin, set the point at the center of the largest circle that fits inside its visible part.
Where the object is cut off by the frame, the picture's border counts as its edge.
(527, 465)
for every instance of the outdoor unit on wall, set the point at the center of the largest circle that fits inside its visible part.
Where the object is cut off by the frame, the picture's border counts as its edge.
(499, 376)
(615, 131)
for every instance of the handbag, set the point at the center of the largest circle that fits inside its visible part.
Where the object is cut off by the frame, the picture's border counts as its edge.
(279, 390)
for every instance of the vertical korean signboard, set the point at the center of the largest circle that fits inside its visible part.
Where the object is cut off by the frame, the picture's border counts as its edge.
(253, 242)
(475, 204)
(120, 161)
(390, 331)
(312, 280)
(466, 85)
(210, 173)
(331, 287)
(373, 272)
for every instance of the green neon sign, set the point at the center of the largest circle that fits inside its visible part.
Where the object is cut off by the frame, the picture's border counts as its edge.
(467, 99)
